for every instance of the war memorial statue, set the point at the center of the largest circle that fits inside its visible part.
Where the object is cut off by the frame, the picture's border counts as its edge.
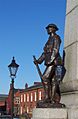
(54, 71)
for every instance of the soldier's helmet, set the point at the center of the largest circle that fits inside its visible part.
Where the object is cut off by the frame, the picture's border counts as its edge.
(52, 25)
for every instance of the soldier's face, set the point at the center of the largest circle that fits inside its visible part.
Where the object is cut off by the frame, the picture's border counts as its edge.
(51, 30)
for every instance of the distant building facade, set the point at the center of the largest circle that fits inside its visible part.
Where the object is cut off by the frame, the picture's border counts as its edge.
(29, 98)
(16, 101)
(24, 99)
(3, 98)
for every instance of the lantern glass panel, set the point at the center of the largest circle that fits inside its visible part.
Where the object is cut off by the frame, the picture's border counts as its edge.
(13, 71)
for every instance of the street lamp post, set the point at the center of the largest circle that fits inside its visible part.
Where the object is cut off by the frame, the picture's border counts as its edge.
(13, 67)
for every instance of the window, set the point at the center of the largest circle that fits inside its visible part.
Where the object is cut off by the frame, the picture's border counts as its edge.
(27, 97)
(17, 100)
(21, 110)
(39, 95)
(27, 109)
(35, 96)
(31, 97)
(21, 98)
(24, 98)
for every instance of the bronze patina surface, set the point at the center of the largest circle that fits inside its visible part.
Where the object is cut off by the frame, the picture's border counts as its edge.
(54, 71)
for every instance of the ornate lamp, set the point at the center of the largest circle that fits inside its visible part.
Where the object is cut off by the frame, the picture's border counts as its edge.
(13, 67)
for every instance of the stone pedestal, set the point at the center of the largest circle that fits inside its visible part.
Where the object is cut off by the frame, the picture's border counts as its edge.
(73, 113)
(49, 113)
(69, 87)
(71, 47)
(70, 99)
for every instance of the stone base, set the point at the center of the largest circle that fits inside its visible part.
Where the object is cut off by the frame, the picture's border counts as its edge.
(70, 99)
(48, 104)
(73, 113)
(49, 113)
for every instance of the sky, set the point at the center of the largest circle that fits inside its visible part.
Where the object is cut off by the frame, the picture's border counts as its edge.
(23, 34)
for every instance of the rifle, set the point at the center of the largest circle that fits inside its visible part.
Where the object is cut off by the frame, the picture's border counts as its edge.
(39, 71)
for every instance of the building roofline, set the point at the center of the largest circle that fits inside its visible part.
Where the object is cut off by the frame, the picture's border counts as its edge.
(3, 95)
(34, 87)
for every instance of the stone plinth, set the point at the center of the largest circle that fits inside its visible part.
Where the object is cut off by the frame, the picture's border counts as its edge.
(70, 99)
(71, 4)
(70, 82)
(73, 113)
(49, 113)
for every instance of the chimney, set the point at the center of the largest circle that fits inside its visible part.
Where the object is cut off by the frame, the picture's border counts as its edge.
(26, 86)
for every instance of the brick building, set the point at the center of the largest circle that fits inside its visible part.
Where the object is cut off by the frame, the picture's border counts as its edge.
(16, 101)
(3, 98)
(24, 99)
(29, 98)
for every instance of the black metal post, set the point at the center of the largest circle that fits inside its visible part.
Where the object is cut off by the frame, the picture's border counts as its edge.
(12, 99)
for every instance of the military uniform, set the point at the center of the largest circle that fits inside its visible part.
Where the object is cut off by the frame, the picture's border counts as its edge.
(53, 62)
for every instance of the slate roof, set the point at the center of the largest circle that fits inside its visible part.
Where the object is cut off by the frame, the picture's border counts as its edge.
(33, 87)
(3, 97)
(16, 90)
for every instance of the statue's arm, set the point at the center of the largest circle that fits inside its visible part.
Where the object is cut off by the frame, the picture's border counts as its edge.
(40, 59)
(56, 48)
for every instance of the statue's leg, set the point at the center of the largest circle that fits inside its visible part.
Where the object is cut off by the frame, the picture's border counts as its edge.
(46, 89)
(56, 95)
(46, 80)
(53, 89)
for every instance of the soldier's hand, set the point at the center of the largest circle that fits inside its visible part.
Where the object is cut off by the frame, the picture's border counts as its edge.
(35, 62)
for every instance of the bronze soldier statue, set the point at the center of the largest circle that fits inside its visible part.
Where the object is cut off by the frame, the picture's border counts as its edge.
(54, 72)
